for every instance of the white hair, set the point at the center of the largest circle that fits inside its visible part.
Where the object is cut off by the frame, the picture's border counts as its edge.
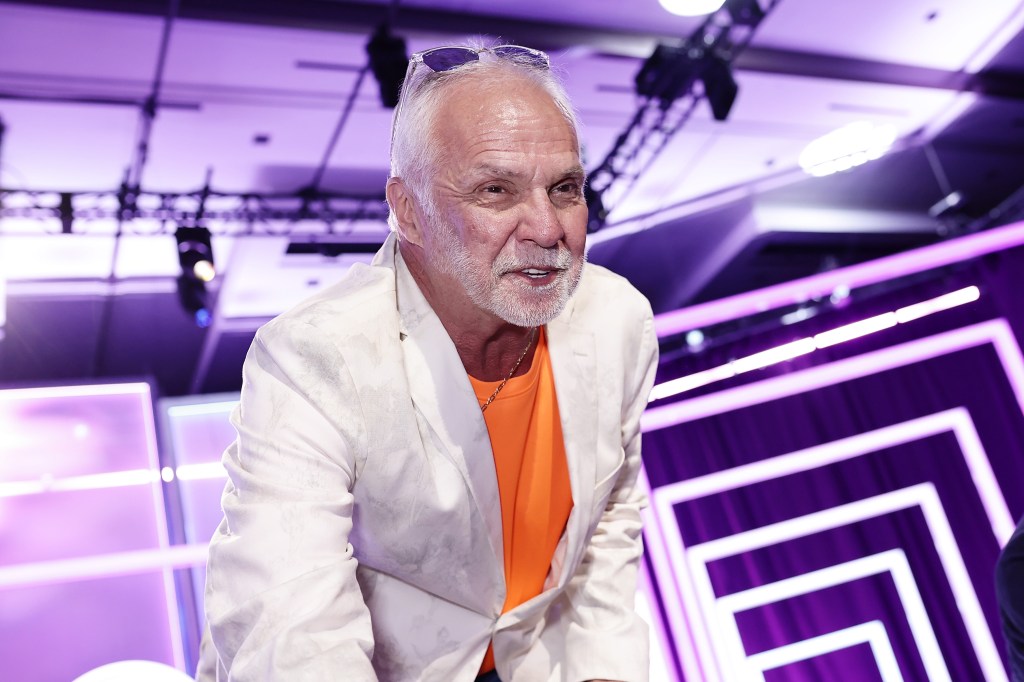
(414, 152)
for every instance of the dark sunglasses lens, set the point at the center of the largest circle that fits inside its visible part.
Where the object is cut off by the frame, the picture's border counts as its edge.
(448, 58)
(522, 55)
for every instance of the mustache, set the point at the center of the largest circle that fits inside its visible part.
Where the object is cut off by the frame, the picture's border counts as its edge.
(546, 259)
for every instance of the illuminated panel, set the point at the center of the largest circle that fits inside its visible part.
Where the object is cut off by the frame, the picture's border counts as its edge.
(692, 641)
(924, 496)
(668, 551)
(893, 562)
(79, 489)
(196, 431)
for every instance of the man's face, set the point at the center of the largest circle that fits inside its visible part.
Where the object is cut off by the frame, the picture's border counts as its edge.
(509, 219)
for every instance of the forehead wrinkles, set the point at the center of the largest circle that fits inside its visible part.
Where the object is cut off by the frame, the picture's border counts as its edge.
(513, 116)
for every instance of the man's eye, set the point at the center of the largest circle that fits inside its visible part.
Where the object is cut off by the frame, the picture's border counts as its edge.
(494, 189)
(568, 188)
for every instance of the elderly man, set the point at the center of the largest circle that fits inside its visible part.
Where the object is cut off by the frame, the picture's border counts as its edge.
(435, 470)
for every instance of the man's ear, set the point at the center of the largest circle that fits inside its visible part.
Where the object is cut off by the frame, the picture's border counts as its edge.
(403, 207)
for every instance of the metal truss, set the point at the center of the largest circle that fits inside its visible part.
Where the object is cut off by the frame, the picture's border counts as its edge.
(671, 85)
(159, 213)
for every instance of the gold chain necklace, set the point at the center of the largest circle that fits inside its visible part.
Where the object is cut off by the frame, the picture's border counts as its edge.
(533, 332)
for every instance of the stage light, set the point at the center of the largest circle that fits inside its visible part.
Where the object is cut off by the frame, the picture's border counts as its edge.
(669, 73)
(720, 87)
(195, 253)
(388, 61)
(194, 299)
(847, 147)
(744, 12)
(691, 8)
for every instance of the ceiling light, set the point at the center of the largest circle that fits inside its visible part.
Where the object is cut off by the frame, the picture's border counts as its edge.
(691, 8)
(195, 253)
(847, 147)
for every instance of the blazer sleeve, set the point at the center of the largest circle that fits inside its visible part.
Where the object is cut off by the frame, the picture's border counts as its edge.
(282, 599)
(605, 638)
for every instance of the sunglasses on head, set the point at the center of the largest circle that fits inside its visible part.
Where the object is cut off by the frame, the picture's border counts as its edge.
(449, 58)
(440, 59)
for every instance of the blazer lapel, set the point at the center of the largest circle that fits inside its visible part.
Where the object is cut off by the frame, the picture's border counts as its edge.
(574, 364)
(441, 392)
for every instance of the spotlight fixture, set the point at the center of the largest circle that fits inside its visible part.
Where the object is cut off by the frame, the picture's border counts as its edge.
(194, 299)
(388, 61)
(668, 73)
(195, 253)
(691, 8)
(744, 12)
(849, 146)
(719, 86)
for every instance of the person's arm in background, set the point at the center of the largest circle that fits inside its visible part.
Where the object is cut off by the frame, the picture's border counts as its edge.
(281, 596)
(1010, 594)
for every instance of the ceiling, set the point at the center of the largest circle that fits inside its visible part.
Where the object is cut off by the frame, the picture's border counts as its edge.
(251, 94)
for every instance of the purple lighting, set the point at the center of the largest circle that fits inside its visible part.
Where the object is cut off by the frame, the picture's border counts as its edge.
(800, 347)
(695, 642)
(872, 272)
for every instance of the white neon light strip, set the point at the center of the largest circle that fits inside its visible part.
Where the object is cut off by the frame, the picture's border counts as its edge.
(893, 562)
(863, 274)
(872, 633)
(688, 640)
(950, 300)
(804, 346)
(201, 408)
(205, 470)
(113, 479)
(163, 536)
(922, 495)
(102, 566)
(996, 331)
(47, 392)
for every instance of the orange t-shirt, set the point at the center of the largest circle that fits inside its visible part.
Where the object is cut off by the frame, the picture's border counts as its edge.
(533, 477)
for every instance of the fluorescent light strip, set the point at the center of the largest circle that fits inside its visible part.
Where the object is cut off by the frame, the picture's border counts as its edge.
(950, 300)
(823, 340)
(88, 391)
(772, 356)
(996, 331)
(205, 470)
(163, 536)
(102, 566)
(863, 274)
(922, 495)
(201, 408)
(686, 638)
(855, 330)
(112, 479)
(871, 633)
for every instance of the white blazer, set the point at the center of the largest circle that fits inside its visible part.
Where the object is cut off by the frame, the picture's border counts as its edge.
(362, 536)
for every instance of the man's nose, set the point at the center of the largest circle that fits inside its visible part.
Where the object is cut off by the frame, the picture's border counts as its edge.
(541, 222)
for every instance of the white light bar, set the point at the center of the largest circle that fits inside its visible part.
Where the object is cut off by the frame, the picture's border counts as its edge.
(804, 346)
